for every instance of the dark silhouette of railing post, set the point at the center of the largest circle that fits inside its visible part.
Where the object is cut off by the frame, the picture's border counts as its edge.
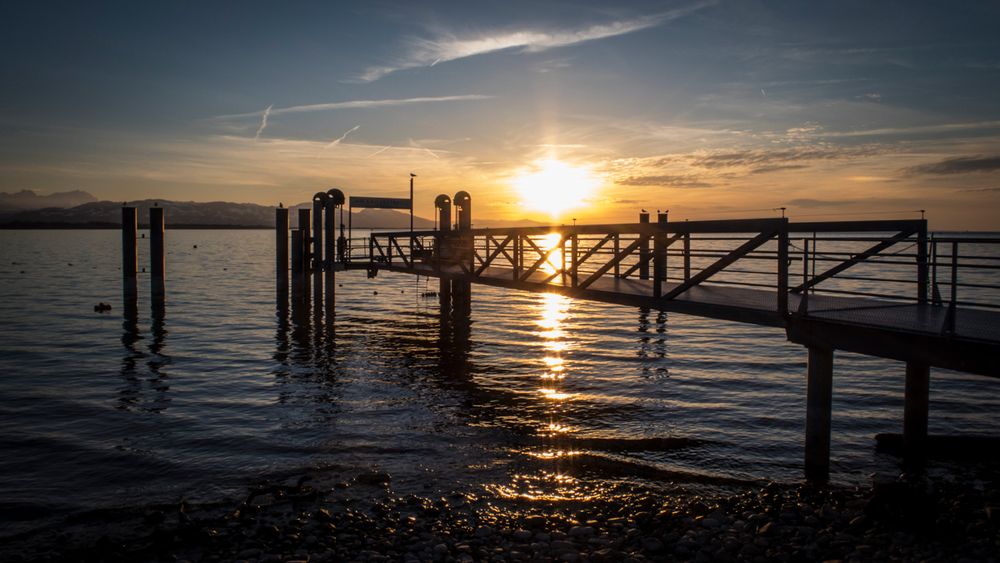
(644, 249)
(574, 260)
(660, 254)
(157, 256)
(130, 259)
(922, 266)
(819, 405)
(783, 261)
(687, 256)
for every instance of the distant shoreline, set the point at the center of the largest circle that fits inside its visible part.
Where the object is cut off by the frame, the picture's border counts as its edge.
(117, 226)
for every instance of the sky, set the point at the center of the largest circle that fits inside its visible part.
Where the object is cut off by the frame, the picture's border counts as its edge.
(711, 109)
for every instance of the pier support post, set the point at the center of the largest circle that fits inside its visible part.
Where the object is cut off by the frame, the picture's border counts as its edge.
(281, 249)
(130, 258)
(306, 239)
(819, 404)
(442, 251)
(157, 256)
(915, 410)
(644, 249)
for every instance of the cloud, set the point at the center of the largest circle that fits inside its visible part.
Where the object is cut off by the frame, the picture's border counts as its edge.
(263, 122)
(448, 47)
(344, 136)
(352, 104)
(777, 168)
(959, 165)
(766, 160)
(667, 180)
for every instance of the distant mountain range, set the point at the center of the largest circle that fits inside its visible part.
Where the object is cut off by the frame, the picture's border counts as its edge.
(26, 210)
(27, 199)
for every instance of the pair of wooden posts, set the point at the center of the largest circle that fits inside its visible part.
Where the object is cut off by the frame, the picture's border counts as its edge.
(455, 296)
(130, 256)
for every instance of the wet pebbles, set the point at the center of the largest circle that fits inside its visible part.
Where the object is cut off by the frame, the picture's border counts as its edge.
(361, 519)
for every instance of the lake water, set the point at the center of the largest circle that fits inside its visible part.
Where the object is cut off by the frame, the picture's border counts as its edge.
(224, 389)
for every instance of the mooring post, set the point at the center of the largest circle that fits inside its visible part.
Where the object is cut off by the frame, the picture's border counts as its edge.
(157, 257)
(644, 248)
(574, 261)
(461, 290)
(319, 202)
(130, 257)
(819, 404)
(306, 239)
(296, 253)
(281, 249)
(915, 409)
(660, 254)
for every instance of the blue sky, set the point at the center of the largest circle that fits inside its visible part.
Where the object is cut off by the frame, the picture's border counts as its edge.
(707, 108)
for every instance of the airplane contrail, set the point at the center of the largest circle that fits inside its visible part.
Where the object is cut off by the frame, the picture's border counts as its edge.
(344, 136)
(263, 122)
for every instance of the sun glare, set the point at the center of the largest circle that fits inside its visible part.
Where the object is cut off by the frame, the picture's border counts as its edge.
(554, 186)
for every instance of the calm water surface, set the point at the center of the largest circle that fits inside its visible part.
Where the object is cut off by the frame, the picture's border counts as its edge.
(223, 389)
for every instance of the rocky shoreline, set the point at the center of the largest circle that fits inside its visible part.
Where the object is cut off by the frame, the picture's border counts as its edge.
(360, 518)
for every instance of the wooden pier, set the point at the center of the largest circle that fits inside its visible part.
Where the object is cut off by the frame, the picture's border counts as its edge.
(881, 288)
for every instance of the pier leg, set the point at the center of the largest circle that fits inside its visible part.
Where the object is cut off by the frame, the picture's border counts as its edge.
(130, 259)
(281, 249)
(444, 296)
(819, 403)
(915, 410)
(157, 256)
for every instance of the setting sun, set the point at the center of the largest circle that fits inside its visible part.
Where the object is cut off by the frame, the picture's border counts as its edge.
(554, 186)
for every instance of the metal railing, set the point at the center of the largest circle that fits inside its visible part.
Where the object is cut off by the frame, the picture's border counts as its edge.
(897, 261)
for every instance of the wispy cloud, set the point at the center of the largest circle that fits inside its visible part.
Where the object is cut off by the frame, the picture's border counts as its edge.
(263, 122)
(959, 165)
(666, 180)
(380, 151)
(449, 47)
(344, 136)
(352, 104)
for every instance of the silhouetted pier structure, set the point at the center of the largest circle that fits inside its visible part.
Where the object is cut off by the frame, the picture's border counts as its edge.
(882, 288)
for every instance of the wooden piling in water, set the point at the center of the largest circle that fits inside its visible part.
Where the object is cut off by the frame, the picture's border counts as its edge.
(281, 248)
(297, 253)
(306, 256)
(157, 256)
(130, 257)
(319, 202)
(819, 405)
(915, 409)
